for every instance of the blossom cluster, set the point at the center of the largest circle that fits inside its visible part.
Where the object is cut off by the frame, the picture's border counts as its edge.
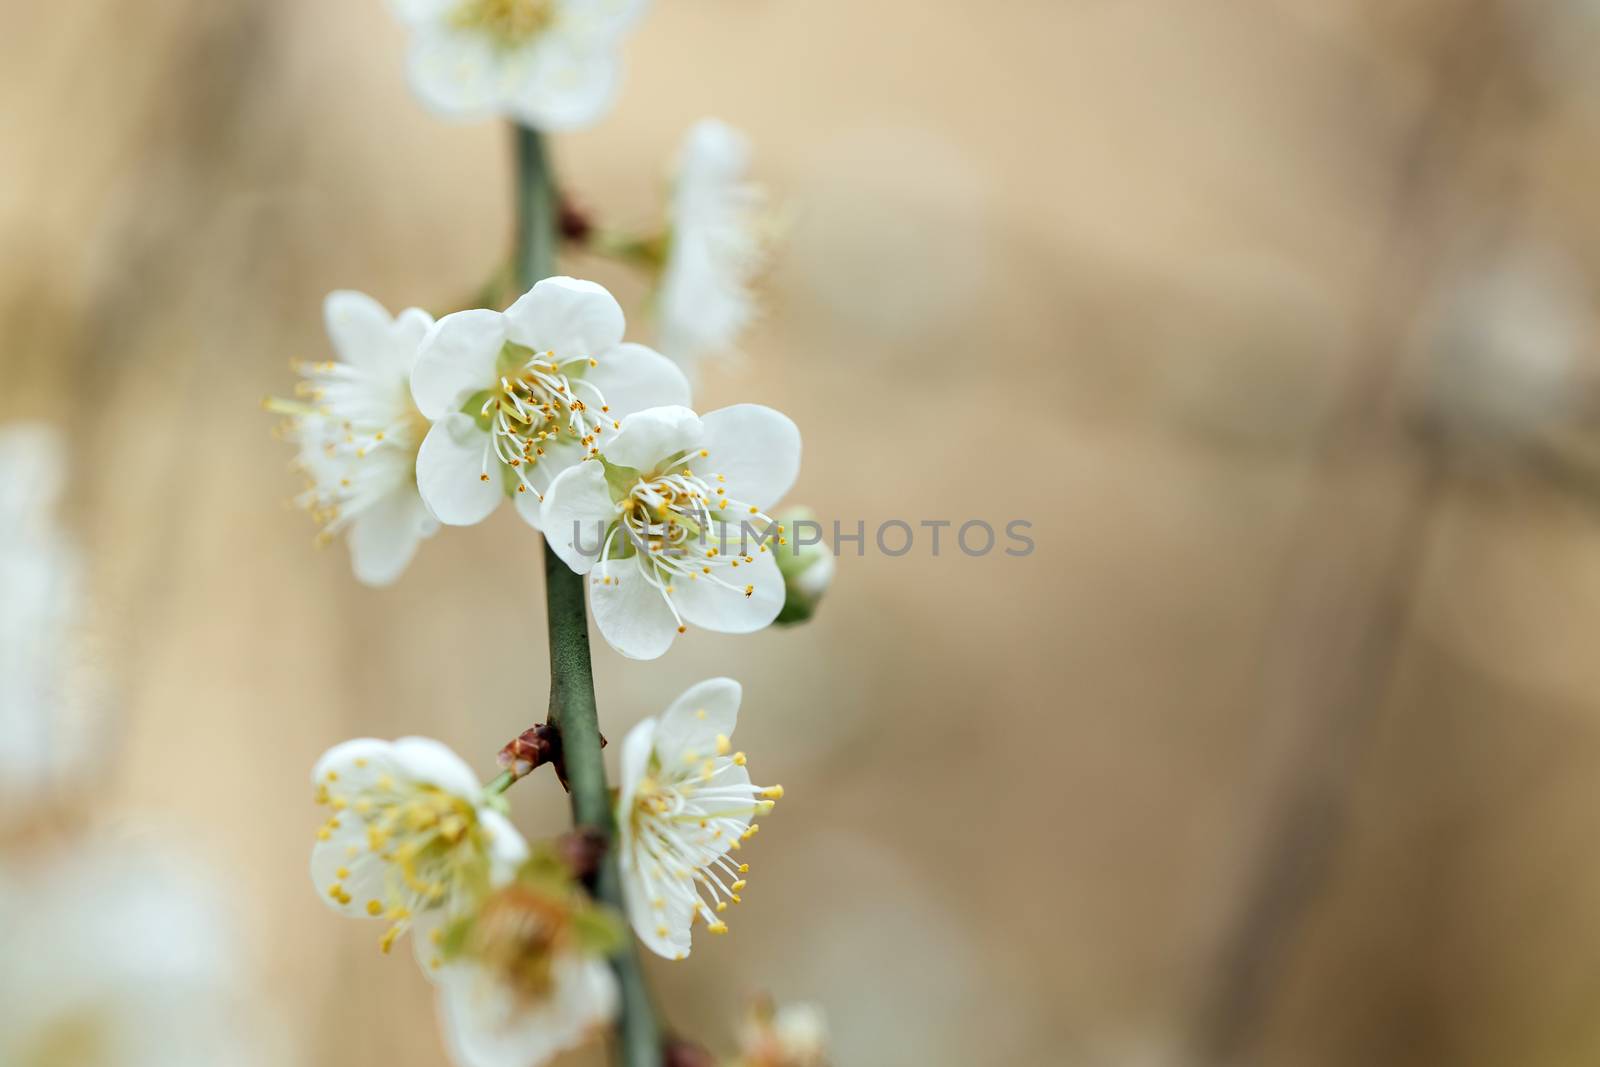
(668, 515)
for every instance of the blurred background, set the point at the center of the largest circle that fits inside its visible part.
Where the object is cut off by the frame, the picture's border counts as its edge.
(1275, 319)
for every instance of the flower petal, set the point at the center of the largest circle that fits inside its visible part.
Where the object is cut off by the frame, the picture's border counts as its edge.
(426, 928)
(422, 12)
(600, 19)
(576, 514)
(651, 436)
(637, 748)
(384, 537)
(344, 860)
(457, 358)
(507, 847)
(486, 1024)
(572, 318)
(661, 922)
(563, 82)
(692, 724)
(359, 328)
(405, 339)
(756, 448)
(631, 613)
(430, 762)
(730, 611)
(632, 378)
(456, 75)
(354, 763)
(558, 456)
(450, 469)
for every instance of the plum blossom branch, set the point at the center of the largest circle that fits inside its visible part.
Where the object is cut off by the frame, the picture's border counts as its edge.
(572, 701)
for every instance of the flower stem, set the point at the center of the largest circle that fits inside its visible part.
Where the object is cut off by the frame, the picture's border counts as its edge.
(572, 703)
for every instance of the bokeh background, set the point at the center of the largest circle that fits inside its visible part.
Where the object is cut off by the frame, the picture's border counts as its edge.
(1274, 318)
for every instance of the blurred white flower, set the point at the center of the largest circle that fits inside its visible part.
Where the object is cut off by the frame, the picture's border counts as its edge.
(667, 543)
(714, 246)
(549, 64)
(794, 1035)
(359, 431)
(521, 395)
(47, 703)
(686, 801)
(117, 958)
(526, 975)
(411, 838)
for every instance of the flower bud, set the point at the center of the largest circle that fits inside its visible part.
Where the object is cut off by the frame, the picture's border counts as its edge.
(806, 564)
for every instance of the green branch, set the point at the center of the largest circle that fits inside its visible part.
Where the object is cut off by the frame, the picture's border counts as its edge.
(572, 703)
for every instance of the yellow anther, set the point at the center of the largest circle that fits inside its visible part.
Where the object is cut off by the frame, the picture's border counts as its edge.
(774, 792)
(717, 928)
(723, 744)
(740, 884)
(738, 758)
(342, 873)
(722, 906)
(374, 908)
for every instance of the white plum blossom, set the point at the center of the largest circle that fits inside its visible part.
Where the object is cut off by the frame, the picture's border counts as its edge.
(118, 956)
(686, 802)
(549, 64)
(49, 696)
(794, 1035)
(411, 838)
(527, 977)
(671, 526)
(359, 432)
(714, 246)
(516, 397)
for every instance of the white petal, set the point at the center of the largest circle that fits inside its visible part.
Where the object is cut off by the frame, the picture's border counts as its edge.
(632, 614)
(359, 328)
(384, 537)
(634, 765)
(405, 339)
(714, 154)
(450, 468)
(508, 850)
(456, 75)
(664, 930)
(730, 611)
(572, 318)
(563, 83)
(576, 514)
(457, 358)
(354, 763)
(651, 436)
(756, 448)
(693, 722)
(422, 12)
(632, 378)
(600, 18)
(425, 760)
(488, 1025)
(346, 861)
(425, 926)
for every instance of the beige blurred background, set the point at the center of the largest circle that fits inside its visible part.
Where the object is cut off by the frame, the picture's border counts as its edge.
(1273, 317)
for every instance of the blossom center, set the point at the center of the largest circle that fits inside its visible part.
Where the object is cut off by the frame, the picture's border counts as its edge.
(359, 436)
(509, 23)
(680, 526)
(427, 842)
(516, 935)
(537, 403)
(685, 820)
